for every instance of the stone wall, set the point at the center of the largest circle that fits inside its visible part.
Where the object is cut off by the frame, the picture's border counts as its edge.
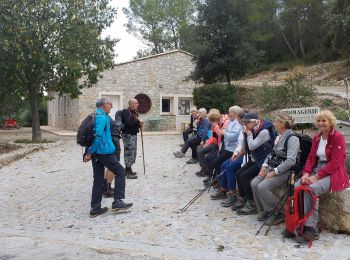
(163, 74)
(63, 112)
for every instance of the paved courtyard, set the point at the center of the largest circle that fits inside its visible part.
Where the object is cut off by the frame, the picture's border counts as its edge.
(44, 214)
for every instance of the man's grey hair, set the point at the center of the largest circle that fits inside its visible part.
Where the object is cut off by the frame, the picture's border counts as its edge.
(193, 109)
(102, 101)
(237, 110)
(202, 110)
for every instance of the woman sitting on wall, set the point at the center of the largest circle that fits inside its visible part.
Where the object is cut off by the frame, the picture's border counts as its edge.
(275, 169)
(212, 144)
(324, 169)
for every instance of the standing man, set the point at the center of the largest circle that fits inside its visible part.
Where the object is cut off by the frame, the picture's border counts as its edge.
(102, 154)
(129, 136)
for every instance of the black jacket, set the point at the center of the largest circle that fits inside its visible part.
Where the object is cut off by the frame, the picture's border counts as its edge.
(132, 123)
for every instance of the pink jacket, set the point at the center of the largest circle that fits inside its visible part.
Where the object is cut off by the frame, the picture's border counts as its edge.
(336, 156)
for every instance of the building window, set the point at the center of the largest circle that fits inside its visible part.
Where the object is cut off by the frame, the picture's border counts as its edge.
(184, 106)
(166, 105)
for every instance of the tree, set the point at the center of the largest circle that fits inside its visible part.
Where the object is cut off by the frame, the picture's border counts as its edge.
(159, 23)
(48, 45)
(339, 22)
(225, 35)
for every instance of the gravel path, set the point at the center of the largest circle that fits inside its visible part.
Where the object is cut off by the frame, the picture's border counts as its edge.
(45, 202)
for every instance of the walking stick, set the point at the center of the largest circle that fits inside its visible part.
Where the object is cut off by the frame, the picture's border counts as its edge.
(201, 192)
(143, 153)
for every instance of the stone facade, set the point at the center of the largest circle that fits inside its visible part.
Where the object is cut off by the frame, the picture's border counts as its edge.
(163, 77)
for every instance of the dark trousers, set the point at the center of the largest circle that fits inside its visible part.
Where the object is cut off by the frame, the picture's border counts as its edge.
(192, 143)
(186, 133)
(216, 163)
(203, 152)
(244, 176)
(99, 162)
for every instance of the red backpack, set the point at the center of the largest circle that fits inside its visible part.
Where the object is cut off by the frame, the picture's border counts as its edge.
(295, 215)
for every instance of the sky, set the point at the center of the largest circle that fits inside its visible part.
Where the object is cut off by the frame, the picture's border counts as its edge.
(128, 45)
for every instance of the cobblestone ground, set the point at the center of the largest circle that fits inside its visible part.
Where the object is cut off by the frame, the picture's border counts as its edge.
(45, 204)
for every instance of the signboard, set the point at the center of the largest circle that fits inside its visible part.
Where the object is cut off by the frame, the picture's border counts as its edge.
(302, 115)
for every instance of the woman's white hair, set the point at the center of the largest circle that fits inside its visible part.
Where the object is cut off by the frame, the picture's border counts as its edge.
(202, 110)
(193, 109)
(237, 110)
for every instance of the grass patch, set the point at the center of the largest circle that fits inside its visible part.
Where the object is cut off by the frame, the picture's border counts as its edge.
(27, 141)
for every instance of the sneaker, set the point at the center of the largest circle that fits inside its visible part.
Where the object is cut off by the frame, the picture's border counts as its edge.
(229, 202)
(219, 195)
(309, 233)
(120, 205)
(97, 211)
(179, 155)
(262, 215)
(248, 209)
(191, 161)
(285, 233)
(275, 219)
(239, 204)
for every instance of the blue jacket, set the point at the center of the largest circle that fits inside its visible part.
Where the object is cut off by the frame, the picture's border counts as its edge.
(102, 143)
(202, 130)
(231, 134)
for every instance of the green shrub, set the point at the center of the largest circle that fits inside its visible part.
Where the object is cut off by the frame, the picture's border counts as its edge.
(25, 117)
(292, 93)
(218, 96)
(341, 114)
(327, 102)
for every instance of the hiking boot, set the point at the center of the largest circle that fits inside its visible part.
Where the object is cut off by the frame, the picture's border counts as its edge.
(120, 205)
(108, 193)
(179, 154)
(129, 173)
(131, 176)
(262, 215)
(239, 204)
(309, 233)
(285, 233)
(275, 219)
(97, 211)
(192, 161)
(202, 173)
(248, 209)
(206, 180)
(219, 195)
(230, 201)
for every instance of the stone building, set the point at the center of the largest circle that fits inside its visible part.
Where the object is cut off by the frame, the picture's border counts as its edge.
(160, 83)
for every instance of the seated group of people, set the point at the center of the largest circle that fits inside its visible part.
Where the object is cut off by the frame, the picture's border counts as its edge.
(251, 160)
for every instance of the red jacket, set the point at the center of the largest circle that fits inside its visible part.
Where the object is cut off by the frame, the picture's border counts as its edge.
(336, 156)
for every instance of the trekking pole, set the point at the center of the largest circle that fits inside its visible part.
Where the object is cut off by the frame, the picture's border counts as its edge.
(278, 203)
(201, 192)
(290, 192)
(143, 153)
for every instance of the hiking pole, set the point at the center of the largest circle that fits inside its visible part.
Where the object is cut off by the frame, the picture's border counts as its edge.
(278, 203)
(143, 153)
(290, 191)
(201, 192)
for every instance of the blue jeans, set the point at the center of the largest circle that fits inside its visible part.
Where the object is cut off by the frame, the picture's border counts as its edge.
(99, 162)
(228, 179)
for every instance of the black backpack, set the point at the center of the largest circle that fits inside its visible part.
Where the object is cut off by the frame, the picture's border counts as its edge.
(86, 131)
(305, 147)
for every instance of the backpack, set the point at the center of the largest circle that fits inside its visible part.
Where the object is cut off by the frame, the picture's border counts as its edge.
(85, 135)
(272, 131)
(295, 215)
(305, 147)
(119, 120)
